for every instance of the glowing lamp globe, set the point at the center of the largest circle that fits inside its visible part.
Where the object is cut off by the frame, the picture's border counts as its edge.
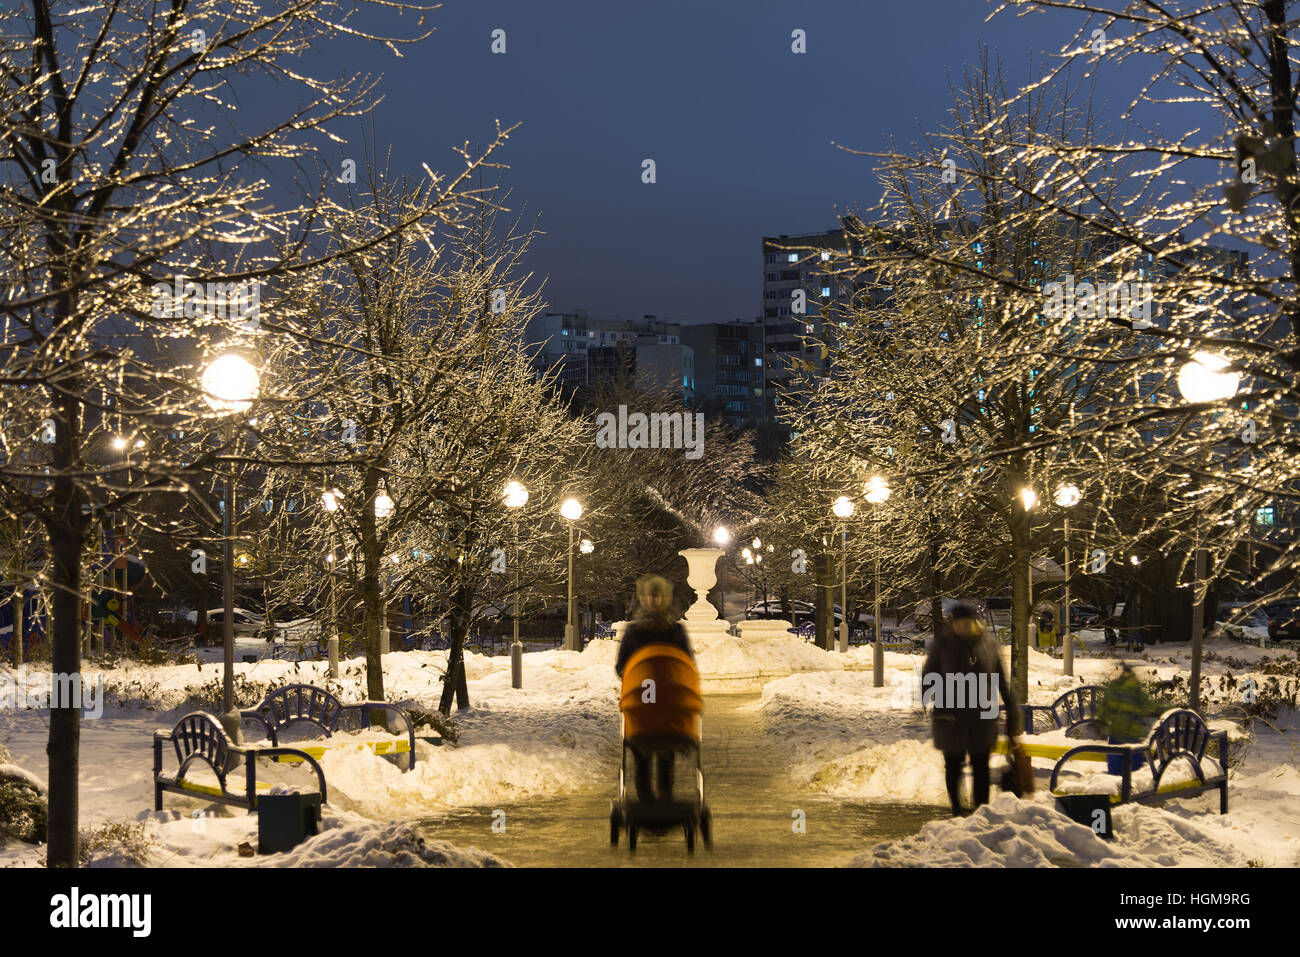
(1067, 496)
(1204, 379)
(515, 495)
(230, 383)
(877, 490)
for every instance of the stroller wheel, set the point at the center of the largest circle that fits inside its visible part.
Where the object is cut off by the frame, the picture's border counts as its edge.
(631, 837)
(615, 825)
(689, 828)
(706, 827)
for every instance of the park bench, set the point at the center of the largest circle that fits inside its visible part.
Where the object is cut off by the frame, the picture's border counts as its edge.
(1179, 735)
(199, 737)
(308, 704)
(1073, 711)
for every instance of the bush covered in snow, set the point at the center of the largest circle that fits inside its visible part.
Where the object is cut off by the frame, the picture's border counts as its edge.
(23, 811)
(116, 844)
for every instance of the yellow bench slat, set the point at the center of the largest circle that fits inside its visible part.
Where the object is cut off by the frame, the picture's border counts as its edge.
(317, 751)
(1053, 751)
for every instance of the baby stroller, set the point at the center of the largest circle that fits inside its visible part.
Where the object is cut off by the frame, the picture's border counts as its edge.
(661, 705)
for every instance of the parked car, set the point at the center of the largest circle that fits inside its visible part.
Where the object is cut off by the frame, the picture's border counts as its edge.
(1084, 616)
(800, 612)
(1243, 613)
(297, 629)
(920, 619)
(1283, 620)
(246, 623)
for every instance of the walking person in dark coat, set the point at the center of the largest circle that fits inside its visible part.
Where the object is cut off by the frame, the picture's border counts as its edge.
(653, 625)
(963, 678)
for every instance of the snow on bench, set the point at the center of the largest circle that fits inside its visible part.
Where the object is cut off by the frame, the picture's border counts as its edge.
(301, 703)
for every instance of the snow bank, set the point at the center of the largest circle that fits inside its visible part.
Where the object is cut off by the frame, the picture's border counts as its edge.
(908, 771)
(367, 844)
(1015, 833)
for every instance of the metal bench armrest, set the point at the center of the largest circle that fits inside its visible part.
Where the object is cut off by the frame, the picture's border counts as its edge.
(257, 716)
(1120, 749)
(1030, 710)
(255, 753)
(365, 707)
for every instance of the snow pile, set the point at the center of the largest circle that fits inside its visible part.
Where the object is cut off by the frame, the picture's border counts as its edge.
(366, 844)
(1015, 833)
(906, 771)
(786, 654)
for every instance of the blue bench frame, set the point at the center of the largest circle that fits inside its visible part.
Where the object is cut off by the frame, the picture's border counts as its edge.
(1180, 733)
(302, 702)
(199, 737)
(1069, 712)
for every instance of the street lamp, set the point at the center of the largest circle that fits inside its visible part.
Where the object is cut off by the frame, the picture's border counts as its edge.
(721, 538)
(1067, 496)
(877, 492)
(1205, 379)
(331, 498)
(572, 511)
(843, 509)
(586, 547)
(1029, 498)
(230, 383)
(515, 497)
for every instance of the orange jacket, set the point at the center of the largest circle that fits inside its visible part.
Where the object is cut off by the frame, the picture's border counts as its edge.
(672, 704)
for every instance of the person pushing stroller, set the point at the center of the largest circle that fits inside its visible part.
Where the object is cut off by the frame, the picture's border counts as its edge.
(661, 697)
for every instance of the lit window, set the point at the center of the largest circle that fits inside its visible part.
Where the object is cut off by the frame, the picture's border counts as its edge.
(793, 258)
(1264, 516)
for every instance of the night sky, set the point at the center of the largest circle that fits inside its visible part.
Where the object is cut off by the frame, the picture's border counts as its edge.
(742, 130)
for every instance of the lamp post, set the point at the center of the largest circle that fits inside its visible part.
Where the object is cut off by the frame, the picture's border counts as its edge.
(572, 511)
(230, 383)
(1028, 499)
(877, 492)
(1067, 496)
(1205, 379)
(721, 538)
(330, 499)
(843, 509)
(515, 497)
(587, 547)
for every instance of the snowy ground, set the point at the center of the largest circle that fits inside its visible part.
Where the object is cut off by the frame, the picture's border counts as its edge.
(847, 739)
(840, 737)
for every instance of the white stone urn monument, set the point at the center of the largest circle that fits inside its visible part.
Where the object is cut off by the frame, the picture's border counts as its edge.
(701, 619)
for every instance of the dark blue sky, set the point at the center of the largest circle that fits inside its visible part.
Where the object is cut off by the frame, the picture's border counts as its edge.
(741, 128)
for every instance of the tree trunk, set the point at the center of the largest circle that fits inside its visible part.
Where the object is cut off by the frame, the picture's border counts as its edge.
(825, 566)
(454, 681)
(67, 536)
(17, 635)
(934, 575)
(1020, 602)
(371, 597)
